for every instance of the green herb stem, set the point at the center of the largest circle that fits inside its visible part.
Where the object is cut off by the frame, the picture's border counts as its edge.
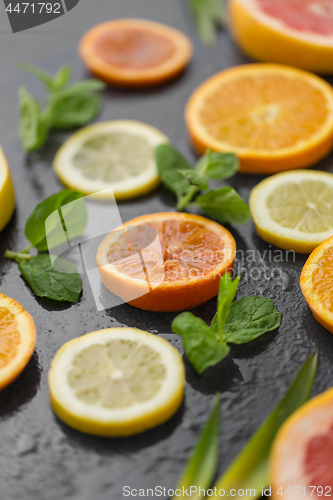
(185, 200)
(18, 256)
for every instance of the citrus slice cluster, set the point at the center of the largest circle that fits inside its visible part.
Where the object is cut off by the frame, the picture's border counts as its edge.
(302, 451)
(295, 32)
(166, 261)
(7, 195)
(273, 117)
(116, 382)
(135, 52)
(117, 155)
(17, 339)
(294, 210)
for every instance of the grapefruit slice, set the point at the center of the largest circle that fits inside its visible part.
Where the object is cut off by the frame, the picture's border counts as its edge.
(273, 117)
(166, 261)
(135, 52)
(301, 456)
(317, 283)
(295, 32)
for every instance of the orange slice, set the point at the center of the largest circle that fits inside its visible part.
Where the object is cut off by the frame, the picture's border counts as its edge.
(134, 52)
(317, 283)
(166, 261)
(301, 456)
(295, 32)
(17, 339)
(273, 117)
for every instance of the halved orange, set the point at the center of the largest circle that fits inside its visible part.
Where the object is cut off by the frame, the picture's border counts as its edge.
(135, 52)
(273, 117)
(166, 261)
(301, 455)
(17, 339)
(317, 283)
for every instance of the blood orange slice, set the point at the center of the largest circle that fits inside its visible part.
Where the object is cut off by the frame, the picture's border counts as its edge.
(166, 261)
(295, 32)
(301, 456)
(134, 52)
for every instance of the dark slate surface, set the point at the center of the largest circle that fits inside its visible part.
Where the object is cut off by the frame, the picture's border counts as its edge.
(43, 459)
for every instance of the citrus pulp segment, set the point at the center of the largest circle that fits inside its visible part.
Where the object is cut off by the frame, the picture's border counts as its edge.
(294, 210)
(119, 155)
(166, 261)
(116, 382)
(295, 32)
(273, 117)
(7, 195)
(17, 339)
(135, 52)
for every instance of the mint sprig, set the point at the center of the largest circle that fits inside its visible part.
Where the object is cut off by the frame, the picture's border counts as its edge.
(208, 16)
(187, 182)
(234, 323)
(60, 282)
(65, 107)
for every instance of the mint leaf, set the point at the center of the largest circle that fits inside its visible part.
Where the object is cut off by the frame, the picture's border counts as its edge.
(201, 467)
(222, 166)
(75, 217)
(69, 111)
(84, 87)
(227, 293)
(32, 128)
(46, 282)
(250, 468)
(43, 76)
(195, 178)
(207, 15)
(169, 164)
(225, 205)
(249, 318)
(200, 344)
(61, 78)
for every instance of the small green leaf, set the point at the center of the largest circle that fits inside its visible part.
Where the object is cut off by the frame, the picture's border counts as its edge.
(84, 87)
(33, 130)
(43, 76)
(225, 205)
(207, 15)
(250, 468)
(169, 161)
(200, 344)
(74, 110)
(74, 215)
(46, 282)
(227, 293)
(249, 318)
(195, 178)
(61, 78)
(201, 467)
(222, 166)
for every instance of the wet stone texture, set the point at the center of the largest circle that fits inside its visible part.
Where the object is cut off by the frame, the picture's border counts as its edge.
(40, 457)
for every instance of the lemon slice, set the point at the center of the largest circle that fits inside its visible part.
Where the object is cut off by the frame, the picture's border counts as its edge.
(294, 210)
(7, 196)
(119, 155)
(116, 382)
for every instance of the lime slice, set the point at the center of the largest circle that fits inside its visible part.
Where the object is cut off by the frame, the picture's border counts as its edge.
(119, 155)
(294, 210)
(116, 382)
